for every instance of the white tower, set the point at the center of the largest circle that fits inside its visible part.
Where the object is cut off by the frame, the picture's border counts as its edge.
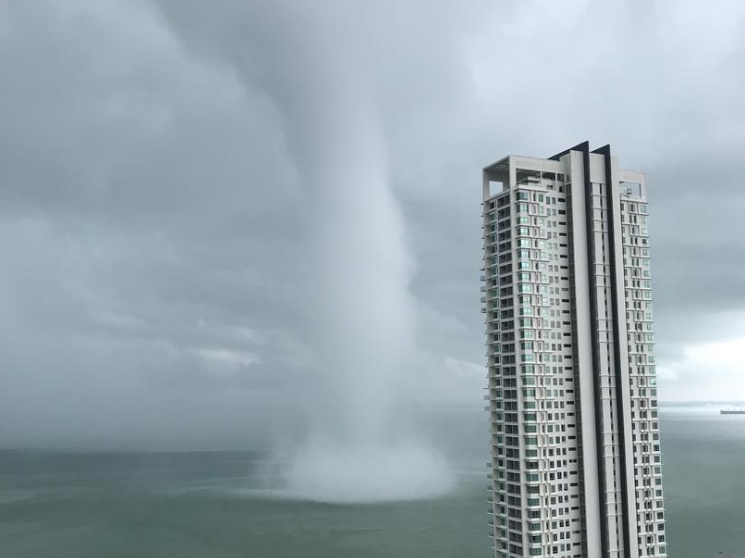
(575, 446)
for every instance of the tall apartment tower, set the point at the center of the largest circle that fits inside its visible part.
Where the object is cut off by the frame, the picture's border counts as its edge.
(575, 444)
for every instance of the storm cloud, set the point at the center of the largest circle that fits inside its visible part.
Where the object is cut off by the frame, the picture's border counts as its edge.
(157, 216)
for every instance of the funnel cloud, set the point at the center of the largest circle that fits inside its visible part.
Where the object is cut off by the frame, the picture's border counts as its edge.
(361, 312)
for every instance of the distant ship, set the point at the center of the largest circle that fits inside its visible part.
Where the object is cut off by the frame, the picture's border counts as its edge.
(738, 411)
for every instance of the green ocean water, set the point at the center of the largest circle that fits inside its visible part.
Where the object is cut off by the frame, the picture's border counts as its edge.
(215, 504)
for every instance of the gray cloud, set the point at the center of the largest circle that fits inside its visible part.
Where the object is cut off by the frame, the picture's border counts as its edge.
(153, 211)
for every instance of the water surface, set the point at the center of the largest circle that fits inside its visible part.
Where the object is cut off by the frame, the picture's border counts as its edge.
(221, 505)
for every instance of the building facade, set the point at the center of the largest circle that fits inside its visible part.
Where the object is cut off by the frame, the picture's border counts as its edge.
(575, 445)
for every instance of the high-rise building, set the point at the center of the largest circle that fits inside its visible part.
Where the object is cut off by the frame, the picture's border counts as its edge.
(575, 440)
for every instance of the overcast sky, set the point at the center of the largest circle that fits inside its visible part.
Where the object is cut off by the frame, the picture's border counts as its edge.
(155, 205)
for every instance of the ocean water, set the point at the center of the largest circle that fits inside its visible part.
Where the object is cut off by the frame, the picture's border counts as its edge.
(219, 505)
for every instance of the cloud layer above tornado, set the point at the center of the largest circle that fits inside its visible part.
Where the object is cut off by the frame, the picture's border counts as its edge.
(155, 218)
